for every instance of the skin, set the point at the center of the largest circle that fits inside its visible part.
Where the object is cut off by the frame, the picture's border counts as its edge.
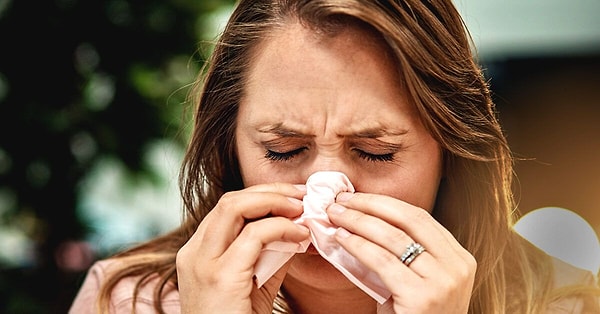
(328, 103)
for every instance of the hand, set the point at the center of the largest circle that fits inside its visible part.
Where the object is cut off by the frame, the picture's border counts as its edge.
(376, 229)
(215, 267)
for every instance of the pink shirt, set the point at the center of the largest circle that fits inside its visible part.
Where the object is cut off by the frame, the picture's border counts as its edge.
(122, 296)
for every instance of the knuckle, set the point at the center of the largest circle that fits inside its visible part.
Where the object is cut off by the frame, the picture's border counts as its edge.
(366, 198)
(459, 276)
(398, 236)
(251, 230)
(278, 186)
(354, 217)
(453, 282)
(181, 256)
(227, 202)
(227, 198)
(423, 215)
(387, 258)
(258, 229)
(448, 282)
(359, 218)
(469, 268)
(471, 262)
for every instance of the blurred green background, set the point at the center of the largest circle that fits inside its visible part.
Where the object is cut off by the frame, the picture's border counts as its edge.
(93, 122)
(91, 109)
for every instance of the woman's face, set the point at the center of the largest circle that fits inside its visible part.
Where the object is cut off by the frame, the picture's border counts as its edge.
(314, 102)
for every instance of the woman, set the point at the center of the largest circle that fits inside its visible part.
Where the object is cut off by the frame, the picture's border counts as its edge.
(386, 92)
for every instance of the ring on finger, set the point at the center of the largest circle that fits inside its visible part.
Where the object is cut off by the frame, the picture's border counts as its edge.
(412, 251)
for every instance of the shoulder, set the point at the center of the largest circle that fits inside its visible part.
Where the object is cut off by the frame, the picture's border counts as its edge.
(577, 286)
(122, 296)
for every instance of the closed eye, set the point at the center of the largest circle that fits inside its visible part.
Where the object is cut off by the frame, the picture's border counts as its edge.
(388, 157)
(283, 156)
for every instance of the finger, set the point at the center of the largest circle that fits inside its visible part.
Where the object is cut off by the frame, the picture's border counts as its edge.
(292, 190)
(223, 224)
(369, 227)
(246, 248)
(420, 226)
(376, 230)
(408, 287)
(415, 221)
(384, 263)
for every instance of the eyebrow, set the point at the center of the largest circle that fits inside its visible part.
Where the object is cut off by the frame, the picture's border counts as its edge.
(377, 132)
(283, 131)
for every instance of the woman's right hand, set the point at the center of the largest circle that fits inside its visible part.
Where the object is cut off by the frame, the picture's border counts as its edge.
(215, 267)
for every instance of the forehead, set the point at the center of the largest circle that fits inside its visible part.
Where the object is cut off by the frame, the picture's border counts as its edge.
(347, 45)
(300, 75)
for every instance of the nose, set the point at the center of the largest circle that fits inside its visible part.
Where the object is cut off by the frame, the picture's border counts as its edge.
(331, 163)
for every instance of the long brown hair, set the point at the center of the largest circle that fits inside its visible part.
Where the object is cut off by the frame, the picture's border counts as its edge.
(435, 59)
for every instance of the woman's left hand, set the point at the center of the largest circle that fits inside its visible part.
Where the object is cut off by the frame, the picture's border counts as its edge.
(376, 229)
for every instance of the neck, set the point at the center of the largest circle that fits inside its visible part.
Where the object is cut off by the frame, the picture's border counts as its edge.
(303, 298)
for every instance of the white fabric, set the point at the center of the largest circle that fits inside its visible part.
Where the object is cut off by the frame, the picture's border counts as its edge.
(322, 189)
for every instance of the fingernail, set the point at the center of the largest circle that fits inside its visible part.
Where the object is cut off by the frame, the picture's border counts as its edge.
(303, 228)
(336, 208)
(295, 201)
(342, 233)
(344, 196)
(301, 187)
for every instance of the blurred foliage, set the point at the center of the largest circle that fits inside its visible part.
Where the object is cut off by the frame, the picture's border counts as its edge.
(81, 80)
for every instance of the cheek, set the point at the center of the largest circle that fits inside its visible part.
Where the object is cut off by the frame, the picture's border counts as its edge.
(420, 193)
(417, 184)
